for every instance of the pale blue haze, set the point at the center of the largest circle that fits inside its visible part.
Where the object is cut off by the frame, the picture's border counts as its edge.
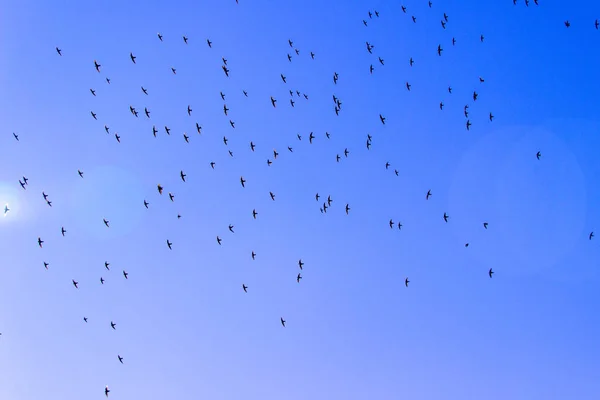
(185, 327)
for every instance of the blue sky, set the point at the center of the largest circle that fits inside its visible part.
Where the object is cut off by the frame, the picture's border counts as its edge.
(184, 326)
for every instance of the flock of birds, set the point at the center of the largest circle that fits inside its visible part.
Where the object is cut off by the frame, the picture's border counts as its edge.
(325, 202)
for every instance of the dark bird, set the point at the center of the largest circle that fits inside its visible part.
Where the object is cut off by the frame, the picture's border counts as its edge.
(300, 263)
(174, 71)
(254, 213)
(283, 322)
(243, 181)
(428, 195)
(189, 110)
(224, 60)
(283, 78)
(106, 222)
(93, 115)
(113, 325)
(63, 231)
(102, 280)
(411, 62)
(97, 66)
(272, 196)
(491, 117)
(298, 278)
(567, 23)
(481, 38)
(406, 281)
(219, 240)
(185, 39)
(171, 196)
(538, 155)
(273, 101)
(85, 319)
(485, 225)
(125, 274)
(186, 138)
(147, 112)
(347, 209)
(475, 96)
(80, 173)
(225, 70)
(439, 50)
(441, 105)
(312, 55)
(225, 109)
(160, 189)
(59, 51)
(106, 391)
(253, 255)
(209, 43)
(40, 241)
(169, 244)
(75, 283)
(490, 272)
(144, 90)
(22, 184)
(245, 288)
(120, 359)
(231, 228)
(160, 37)
(596, 24)
(468, 124)
(245, 93)
(106, 265)
(446, 216)
(46, 265)
(182, 175)
(132, 57)
(382, 118)
(381, 60)
(93, 92)
(16, 136)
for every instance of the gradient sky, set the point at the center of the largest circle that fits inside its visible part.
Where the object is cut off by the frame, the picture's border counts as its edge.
(185, 327)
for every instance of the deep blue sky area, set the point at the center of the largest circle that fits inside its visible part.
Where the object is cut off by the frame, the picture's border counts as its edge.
(185, 328)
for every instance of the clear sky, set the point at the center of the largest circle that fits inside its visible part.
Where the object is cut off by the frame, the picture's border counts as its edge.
(184, 326)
